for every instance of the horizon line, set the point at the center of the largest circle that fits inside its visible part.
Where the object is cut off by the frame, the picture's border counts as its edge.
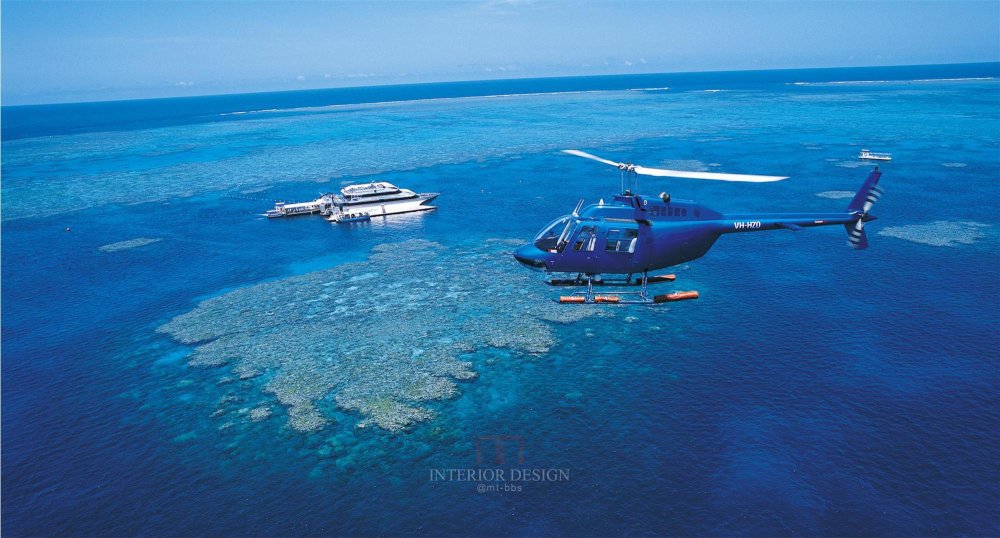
(494, 79)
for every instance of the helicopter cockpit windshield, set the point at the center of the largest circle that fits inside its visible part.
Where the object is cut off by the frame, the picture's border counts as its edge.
(555, 236)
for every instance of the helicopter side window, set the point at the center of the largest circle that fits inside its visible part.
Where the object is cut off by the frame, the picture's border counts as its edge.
(586, 239)
(611, 244)
(621, 240)
(684, 212)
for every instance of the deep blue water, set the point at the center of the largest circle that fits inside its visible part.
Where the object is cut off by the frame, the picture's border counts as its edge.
(812, 389)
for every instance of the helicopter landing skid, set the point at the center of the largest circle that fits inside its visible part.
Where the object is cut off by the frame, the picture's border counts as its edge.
(621, 297)
(582, 280)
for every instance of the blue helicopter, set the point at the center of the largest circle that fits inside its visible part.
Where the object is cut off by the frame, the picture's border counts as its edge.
(635, 234)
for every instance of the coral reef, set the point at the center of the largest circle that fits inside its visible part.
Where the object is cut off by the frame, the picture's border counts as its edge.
(835, 195)
(260, 413)
(939, 233)
(125, 245)
(376, 337)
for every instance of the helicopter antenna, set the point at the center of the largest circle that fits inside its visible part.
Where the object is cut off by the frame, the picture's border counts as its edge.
(660, 172)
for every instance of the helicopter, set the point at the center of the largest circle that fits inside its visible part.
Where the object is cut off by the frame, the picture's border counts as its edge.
(634, 234)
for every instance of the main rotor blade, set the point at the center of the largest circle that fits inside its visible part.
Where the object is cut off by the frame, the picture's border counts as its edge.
(706, 175)
(659, 172)
(586, 155)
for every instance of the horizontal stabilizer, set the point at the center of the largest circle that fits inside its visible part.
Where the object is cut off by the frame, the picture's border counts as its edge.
(789, 226)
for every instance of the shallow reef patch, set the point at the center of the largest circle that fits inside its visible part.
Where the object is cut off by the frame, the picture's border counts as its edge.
(131, 243)
(940, 233)
(852, 164)
(835, 195)
(385, 335)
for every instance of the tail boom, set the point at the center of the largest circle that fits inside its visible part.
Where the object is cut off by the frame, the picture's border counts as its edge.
(782, 221)
(853, 219)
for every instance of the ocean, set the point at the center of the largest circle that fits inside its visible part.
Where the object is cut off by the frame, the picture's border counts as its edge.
(175, 364)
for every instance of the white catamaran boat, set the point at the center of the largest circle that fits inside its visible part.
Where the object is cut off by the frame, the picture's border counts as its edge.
(378, 199)
(867, 155)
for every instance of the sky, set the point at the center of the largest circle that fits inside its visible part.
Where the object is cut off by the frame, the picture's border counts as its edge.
(83, 51)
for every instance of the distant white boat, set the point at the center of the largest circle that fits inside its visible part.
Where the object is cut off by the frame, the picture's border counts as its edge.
(867, 155)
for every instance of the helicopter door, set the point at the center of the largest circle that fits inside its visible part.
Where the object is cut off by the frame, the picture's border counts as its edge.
(622, 240)
(645, 246)
(630, 245)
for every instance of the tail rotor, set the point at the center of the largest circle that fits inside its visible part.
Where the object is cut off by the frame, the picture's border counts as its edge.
(862, 203)
(856, 236)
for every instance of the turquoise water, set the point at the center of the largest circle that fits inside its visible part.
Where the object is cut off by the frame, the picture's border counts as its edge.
(812, 389)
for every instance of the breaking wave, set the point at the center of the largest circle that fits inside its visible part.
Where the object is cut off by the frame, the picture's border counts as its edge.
(861, 82)
(369, 104)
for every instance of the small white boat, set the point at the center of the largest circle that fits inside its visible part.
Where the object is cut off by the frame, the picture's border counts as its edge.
(343, 218)
(868, 155)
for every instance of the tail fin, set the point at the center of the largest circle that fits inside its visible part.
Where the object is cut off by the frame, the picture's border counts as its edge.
(867, 195)
(861, 205)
